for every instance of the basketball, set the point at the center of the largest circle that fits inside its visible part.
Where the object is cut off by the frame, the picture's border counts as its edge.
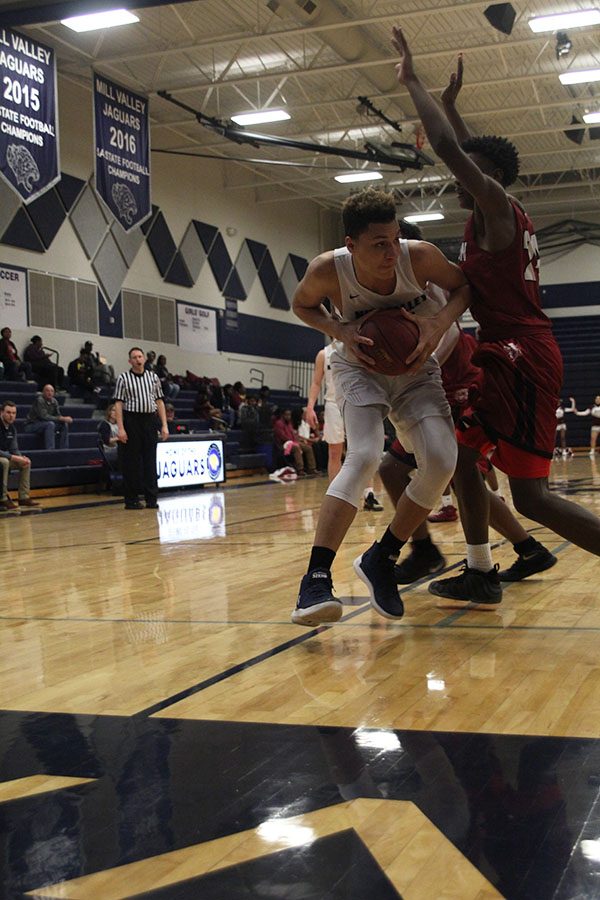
(394, 338)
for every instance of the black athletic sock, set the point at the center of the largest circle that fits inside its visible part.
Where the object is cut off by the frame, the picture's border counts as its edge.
(390, 544)
(527, 547)
(320, 558)
(422, 543)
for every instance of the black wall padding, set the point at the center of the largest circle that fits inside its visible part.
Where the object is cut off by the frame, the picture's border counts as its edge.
(47, 214)
(220, 261)
(178, 272)
(161, 244)
(21, 233)
(69, 189)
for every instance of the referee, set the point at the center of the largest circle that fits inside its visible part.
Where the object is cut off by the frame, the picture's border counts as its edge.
(138, 399)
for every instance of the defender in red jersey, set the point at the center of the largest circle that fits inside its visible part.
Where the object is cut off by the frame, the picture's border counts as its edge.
(513, 420)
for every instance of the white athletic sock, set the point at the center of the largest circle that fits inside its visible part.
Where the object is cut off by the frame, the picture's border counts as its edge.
(368, 491)
(479, 556)
(446, 500)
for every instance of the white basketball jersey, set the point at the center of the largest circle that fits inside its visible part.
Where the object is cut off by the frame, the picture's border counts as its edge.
(356, 299)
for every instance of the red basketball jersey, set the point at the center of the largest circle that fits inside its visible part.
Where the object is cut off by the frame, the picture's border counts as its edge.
(506, 297)
(458, 372)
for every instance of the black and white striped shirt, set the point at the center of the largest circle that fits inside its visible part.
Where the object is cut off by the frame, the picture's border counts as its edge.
(139, 393)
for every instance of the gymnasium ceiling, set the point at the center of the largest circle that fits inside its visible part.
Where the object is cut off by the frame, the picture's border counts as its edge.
(315, 58)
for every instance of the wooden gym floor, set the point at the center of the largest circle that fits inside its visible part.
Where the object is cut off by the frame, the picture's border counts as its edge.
(167, 732)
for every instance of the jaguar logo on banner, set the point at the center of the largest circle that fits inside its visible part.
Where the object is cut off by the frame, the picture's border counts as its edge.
(122, 144)
(28, 115)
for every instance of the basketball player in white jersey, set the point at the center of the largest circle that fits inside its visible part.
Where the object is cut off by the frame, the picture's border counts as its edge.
(333, 430)
(378, 270)
(594, 412)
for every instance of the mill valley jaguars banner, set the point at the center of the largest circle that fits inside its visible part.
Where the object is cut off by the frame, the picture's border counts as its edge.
(28, 115)
(122, 151)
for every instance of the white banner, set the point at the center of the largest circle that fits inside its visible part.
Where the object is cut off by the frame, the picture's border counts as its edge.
(182, 463)
(13, 297)
(197, 328)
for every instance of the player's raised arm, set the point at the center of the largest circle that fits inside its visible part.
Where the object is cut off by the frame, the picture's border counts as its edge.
(485, 189)
(448, 98)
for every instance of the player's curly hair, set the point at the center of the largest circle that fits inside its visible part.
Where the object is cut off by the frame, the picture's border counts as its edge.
(409, 231)
(365, 207)
(499, 151)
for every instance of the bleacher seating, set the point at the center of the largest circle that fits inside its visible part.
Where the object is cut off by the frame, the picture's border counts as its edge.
(81, 463)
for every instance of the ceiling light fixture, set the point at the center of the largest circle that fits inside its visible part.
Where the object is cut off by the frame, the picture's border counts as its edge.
(578, 19)
(260, 117)
(95, 21)
(583, 77)
(564, 44)
(591, 118)
(424, 217)
(358, 176)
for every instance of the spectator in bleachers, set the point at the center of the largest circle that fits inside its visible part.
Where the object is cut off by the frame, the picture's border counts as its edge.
(102, 371)
(108, 431)
(249, 422)
(45, 418)
(266, 409)
(174, 426)
(289, 445)
(11, 458)
(44, 370)
(170, 388)
(314, 436)
(149, 365)
(222, 400)
(14, 367)
(80, 374)
(206, 412)
(237, 397)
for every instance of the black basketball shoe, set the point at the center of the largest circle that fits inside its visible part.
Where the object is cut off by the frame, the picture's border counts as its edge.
(376, 569)
(481, 590)
(529, 564)
(419, 563)
(316, 604)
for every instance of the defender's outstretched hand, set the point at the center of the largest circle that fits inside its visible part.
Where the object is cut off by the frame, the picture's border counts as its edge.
(404, 68)
(456, 79)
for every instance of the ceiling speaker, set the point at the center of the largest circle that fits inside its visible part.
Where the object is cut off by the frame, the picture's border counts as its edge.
(595, 134)
(575, 134)
(501, 16)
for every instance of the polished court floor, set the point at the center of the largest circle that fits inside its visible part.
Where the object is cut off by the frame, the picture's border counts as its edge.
(166, 732)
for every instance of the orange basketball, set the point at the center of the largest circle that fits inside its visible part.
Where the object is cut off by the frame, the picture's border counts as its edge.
(394, 338)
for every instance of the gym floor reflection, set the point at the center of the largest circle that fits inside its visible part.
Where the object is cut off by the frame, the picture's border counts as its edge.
(168, 733)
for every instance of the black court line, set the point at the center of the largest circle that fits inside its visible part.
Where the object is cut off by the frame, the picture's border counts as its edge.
(222, 676)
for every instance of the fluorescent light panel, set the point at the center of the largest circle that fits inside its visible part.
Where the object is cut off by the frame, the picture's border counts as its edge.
(94, 21)
(591, 118)
(260, 117)
(424, 217)
(583, 77)
(578, 19)
(358, 176)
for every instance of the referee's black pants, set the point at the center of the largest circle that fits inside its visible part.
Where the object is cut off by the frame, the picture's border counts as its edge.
(138, 456)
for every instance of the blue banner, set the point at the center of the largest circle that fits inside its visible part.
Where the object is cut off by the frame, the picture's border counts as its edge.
(28, 115)
(122, 141)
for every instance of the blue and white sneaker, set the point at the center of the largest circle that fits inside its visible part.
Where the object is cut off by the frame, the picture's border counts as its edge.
(376, 569)
(316, 604)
